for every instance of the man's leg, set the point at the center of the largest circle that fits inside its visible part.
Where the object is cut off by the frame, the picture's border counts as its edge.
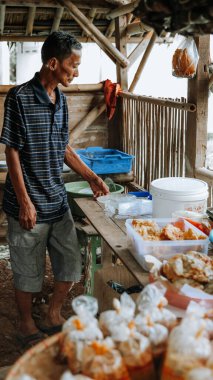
(65, 258)
(27, 254)
(24, 303)
(61, 289)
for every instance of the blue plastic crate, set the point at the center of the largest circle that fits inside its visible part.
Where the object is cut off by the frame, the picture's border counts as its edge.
(106, 161)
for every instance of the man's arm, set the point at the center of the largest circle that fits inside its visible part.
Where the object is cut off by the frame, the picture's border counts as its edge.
(27, 213)
(74, 162)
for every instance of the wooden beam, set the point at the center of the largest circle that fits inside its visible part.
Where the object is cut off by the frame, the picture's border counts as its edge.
(110, 30)
(120, 40)
(139, 49)
(2, 18)
(95, 34)
(123, 10)
(143, 62)
(30, 21)
(57, 19)
(87, 121)
(198, 90)
(41, 38)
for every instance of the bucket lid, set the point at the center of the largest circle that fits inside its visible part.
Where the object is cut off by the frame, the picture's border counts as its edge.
(179, 185)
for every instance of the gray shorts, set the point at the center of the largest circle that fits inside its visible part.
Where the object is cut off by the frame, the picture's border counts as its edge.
(28, 252)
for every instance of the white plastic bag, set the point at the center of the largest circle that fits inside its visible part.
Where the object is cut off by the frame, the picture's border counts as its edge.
(185, 59)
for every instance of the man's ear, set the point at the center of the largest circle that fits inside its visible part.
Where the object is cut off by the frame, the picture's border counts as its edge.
(52, 64)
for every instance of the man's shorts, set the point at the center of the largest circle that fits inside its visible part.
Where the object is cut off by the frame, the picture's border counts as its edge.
(28, 252)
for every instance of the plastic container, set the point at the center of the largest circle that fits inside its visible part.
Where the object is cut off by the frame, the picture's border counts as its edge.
(162, 249)
(106, 161)
(81, 189)
(141, 194)
(177, 193)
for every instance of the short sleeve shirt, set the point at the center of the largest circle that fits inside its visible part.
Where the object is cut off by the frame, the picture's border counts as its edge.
(38, 129)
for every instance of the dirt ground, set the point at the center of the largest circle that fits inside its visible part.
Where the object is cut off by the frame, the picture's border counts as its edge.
(10, 349)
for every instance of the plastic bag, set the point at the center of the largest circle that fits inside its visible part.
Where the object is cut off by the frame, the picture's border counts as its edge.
(185, 59)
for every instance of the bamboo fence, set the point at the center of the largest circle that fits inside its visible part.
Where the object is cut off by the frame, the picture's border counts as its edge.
(154, 132)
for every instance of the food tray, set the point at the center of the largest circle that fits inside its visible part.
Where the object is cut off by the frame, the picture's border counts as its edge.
(106, 161)
(166, 248)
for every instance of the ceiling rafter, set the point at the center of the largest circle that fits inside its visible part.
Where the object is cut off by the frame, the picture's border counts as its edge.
(2, 18)
(57, 19)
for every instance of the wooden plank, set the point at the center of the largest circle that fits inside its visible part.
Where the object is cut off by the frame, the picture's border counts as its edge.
(198, 90)
(57, 19)
(2, 18)
(113, 235)
(30, 21)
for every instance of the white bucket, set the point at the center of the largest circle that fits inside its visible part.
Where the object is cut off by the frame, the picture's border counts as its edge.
(177, 193)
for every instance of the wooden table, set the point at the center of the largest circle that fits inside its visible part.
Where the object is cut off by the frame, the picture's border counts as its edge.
(113, 233)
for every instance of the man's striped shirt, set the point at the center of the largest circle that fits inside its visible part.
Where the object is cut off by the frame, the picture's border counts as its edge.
(38, 129)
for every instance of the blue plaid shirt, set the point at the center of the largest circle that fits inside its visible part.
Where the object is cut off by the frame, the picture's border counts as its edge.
(38, 129)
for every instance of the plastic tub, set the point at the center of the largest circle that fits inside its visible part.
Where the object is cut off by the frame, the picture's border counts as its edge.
(106, 161)
(177, 193)
(165, 248)
(81, 189)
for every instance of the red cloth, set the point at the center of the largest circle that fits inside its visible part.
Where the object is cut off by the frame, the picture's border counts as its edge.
(111, 91)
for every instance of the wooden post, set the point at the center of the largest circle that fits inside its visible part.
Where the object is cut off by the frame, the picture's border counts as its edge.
(2, 18)
(110, 30)
(196, 132)
(30, 21)
(57, 19)
(91, 17)
(115, 125)
(93, 32)
(143, 62)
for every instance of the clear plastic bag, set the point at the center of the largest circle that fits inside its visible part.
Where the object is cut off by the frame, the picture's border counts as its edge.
(185, 59)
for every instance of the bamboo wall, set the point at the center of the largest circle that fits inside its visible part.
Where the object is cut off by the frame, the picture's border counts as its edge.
(155, 135)
(79, 104)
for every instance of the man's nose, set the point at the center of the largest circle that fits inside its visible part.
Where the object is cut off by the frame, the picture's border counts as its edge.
(76, 73)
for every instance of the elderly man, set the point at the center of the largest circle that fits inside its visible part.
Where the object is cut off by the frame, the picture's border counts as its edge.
(35, 133)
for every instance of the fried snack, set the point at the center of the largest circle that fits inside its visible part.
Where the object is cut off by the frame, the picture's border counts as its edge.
(192, 265)
(67, 375)
(170, 232)
(182, 64)
(101, 361)
(148, 229)
(199, 373)
(191, 235)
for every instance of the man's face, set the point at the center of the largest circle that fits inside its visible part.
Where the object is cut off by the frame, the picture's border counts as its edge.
(67, 70)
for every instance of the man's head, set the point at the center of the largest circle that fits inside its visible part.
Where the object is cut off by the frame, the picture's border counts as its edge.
(61, 53)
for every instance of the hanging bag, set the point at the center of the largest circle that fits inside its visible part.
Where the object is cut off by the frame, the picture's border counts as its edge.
(185, 59)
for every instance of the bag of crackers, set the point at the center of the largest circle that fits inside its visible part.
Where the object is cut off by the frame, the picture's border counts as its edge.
(185, 59)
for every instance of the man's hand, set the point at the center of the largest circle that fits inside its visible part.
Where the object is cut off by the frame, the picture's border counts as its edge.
(27, 215)
(98, 187)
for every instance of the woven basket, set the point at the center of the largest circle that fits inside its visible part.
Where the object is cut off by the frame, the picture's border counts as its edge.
(40, 361)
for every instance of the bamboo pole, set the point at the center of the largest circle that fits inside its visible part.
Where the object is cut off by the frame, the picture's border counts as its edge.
(95, 33)
(139, 49)
(162, 102)
(122, 10)
(57, 19)
(143, 62)
(30, 21)
(119, 2)
(110, 30)
(91, 17)
(2, 18)
(87, 121)
(72, 88)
